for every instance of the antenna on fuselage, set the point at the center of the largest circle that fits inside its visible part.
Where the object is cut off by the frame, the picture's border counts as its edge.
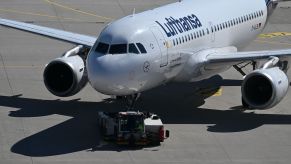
(133, 12)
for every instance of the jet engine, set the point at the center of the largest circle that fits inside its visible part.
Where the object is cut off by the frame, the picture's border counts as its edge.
(66, 76)
(264, 88)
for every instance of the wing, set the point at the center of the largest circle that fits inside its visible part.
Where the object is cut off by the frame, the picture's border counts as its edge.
(50, 32)
(237, 57)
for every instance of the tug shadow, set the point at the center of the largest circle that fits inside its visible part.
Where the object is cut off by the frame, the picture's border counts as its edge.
(175, 103)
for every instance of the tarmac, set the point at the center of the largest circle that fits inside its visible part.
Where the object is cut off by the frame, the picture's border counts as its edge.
(205, 119)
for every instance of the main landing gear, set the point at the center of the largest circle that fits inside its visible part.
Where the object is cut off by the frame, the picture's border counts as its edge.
(239, 68)
(242, 65)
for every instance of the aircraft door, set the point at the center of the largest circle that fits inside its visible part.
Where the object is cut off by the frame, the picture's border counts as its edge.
(162, 45)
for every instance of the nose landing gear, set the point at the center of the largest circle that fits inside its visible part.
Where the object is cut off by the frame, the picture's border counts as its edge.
(130, 100)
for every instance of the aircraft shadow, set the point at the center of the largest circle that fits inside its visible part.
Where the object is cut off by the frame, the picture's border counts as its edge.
(175, 103)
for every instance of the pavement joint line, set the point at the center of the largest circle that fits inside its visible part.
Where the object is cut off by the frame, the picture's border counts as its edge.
(223, 148)
(77, 10)
(272, 42)
(57, 16)
(21, 67)
(121, 7)
(35, 14)
(6, 74)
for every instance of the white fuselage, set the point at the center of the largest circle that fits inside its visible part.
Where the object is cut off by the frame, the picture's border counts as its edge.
(174, 37)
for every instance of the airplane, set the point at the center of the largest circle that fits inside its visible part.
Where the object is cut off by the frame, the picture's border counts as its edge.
(186, 41)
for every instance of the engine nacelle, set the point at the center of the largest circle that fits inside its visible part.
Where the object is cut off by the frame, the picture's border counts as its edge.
(65, 76)
(264, 88)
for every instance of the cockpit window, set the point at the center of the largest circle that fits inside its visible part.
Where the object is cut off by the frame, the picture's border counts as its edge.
(132, 49)
(141, 48)
(102, 48)
(118, 49)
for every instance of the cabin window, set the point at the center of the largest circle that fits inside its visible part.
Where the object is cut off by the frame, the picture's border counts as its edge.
(141, 48)
(102, 48)
(132, 49)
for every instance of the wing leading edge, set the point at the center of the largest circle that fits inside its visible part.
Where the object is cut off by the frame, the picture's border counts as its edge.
(50, 32)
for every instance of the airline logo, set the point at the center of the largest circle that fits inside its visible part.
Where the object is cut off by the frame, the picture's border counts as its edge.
(174, 26)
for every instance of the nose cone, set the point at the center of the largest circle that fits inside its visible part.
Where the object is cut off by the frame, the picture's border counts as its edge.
(109, 74)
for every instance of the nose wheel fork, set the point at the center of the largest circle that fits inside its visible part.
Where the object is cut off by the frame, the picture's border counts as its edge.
(130, 100)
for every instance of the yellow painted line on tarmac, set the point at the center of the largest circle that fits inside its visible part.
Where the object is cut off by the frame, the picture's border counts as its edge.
(35, 14)
(210, 91)
(218, 93)
(77, 10)
(274, 34)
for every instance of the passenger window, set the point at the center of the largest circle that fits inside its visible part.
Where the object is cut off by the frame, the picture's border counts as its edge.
(102, 48)
(141, 48)
(132, 49)
(118, 49)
